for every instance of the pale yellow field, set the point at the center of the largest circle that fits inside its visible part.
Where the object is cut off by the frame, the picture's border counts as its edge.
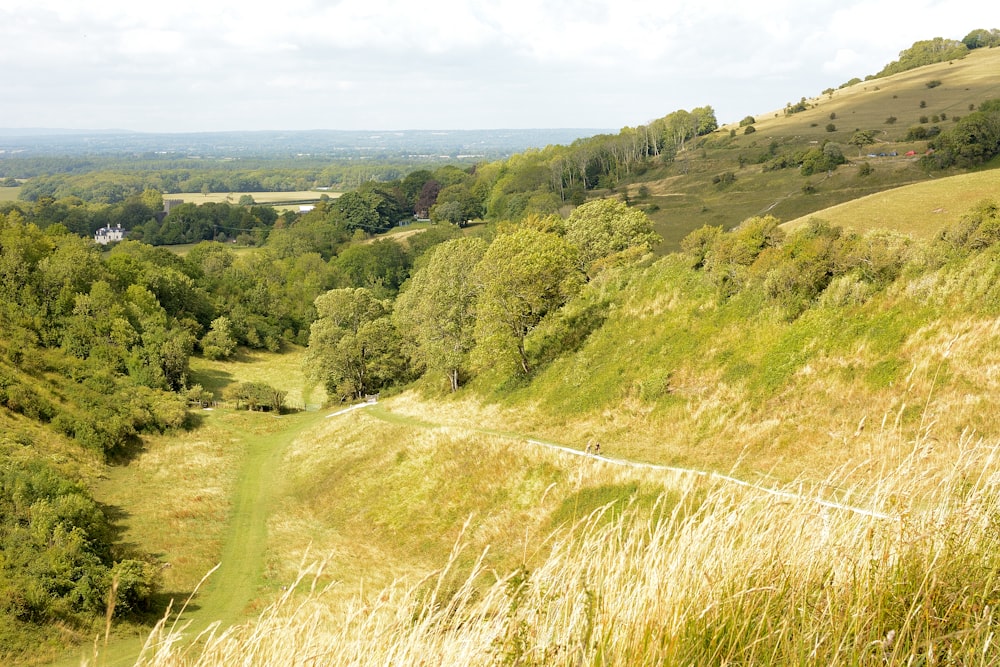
(259, 197)
(920, 210)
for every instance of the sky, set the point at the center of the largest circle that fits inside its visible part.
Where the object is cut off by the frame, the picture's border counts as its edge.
(216, 65)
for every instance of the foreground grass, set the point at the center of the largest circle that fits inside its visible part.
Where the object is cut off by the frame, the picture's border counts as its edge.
(717, 575)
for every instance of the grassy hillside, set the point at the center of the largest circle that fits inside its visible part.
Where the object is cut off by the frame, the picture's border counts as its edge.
(682, 196)
(799, 448)
(920, 210)
(851, 519)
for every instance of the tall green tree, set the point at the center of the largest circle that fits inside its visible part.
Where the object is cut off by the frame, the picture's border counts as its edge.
(522, 277)
(438, 308)
(354, 348)
(605, 227)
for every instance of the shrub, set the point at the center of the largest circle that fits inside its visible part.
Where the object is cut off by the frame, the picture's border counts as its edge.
(978, 229)
(57, 550)
(724, 179)
(256, 396)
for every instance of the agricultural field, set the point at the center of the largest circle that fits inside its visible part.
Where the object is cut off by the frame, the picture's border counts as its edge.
(299, 197)
(9, 194)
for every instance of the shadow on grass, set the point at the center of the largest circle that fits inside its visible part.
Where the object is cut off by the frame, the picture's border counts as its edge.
(214, 381)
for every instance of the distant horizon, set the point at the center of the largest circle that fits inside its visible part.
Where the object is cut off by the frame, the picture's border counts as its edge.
(182, 68)
(105, 130)
(350, 144)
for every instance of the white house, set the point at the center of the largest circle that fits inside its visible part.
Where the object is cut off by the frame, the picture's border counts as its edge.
(106, 235)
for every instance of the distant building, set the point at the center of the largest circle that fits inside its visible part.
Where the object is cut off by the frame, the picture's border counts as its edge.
(106, 235)
(168, 205)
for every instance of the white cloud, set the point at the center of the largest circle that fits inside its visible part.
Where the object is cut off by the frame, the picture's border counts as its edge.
(398, 64)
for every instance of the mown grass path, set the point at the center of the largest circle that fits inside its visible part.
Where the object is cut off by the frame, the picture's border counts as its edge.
(232, 588)
(241, 566)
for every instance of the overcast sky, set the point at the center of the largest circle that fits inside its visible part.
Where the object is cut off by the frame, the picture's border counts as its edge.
(208, 65)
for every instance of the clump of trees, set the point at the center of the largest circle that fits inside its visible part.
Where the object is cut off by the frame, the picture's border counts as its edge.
(925, 52)
(59, 560)
(973, 140)
(256, 396)
(472, 305)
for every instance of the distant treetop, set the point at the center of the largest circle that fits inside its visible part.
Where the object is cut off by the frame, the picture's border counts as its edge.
(926, 52)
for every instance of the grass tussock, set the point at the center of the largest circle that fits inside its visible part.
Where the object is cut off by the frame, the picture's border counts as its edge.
(722, 574)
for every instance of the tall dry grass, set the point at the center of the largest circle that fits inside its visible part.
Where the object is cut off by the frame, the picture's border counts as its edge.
(729, 575)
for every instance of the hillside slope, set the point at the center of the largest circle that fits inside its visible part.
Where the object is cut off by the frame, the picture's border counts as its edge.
(694, 190)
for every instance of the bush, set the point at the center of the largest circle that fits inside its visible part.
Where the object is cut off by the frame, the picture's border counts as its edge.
(256, 396)
(978, 229)
(57, 550)
(722, 180)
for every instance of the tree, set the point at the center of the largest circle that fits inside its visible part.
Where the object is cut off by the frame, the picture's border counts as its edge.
(862, 138)
(219, 342)
(380, 265)
(604, 227)
(981, 38)
(438, 308)
(523, 276)
(354, 348)
(456, 204)
(974, 139)
(926, 52)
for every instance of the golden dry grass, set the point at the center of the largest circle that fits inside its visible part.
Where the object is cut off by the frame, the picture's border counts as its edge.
(176, 498)
(728, 576)
(258, 197)
(920, 210)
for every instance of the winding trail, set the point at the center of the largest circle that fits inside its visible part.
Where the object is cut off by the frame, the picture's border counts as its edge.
(779, 493)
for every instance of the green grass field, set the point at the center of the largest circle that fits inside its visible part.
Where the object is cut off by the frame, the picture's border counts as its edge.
(9, 194)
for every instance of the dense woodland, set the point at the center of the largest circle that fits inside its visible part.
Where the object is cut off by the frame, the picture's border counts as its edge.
(95, 344)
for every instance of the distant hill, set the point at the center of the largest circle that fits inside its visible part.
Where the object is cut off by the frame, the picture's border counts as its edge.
(736, 173)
